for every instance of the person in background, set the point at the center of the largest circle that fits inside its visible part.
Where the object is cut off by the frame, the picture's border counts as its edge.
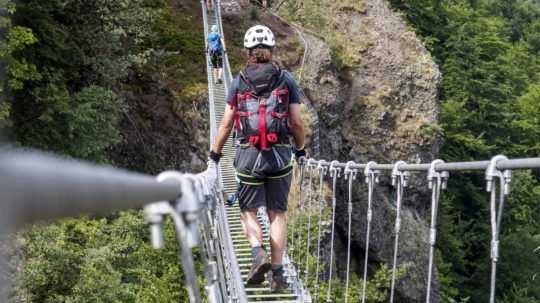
(216, 48)
(210, 4)
(264, 107)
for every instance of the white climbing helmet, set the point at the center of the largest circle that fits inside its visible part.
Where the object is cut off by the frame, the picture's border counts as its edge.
(214, 29)
(259, 35)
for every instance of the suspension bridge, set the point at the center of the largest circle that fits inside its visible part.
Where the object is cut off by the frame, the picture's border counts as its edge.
(37, 186)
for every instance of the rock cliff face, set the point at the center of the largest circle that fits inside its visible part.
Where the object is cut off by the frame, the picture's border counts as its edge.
(165, 121)
(381, 106)
(384, 109)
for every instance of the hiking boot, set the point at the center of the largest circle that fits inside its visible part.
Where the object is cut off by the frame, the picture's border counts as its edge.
(279, 282)
(261, 265)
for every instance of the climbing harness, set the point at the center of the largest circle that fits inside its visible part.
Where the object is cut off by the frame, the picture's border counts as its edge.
(505, 179)
(399, 181)
(311, 166)
(350, 175)
(371, 176)
(322, 168)
(335, 172)
(437, 181)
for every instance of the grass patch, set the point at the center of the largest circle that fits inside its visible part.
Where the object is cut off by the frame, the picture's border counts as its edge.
(324, 18)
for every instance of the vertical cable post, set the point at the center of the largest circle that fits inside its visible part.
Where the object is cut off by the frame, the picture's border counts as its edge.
(322, 168)
(371, 177)
(335, 172)
(400, 180)
(311, 166)
(350, 175)
(299, 164)
(437, 181)
(505, 179)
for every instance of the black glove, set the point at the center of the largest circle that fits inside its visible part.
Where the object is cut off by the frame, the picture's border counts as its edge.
(298, 153)
(215, 156)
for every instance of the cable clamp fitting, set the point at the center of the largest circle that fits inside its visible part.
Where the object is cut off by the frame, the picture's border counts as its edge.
(335, 171)
(187, 206)
(432, 236)
(495, 250)
(311, 164)
(322, 167)
(400, 175)
(493, 172)
(350, 172)
(434, 174)
(154, 215)
(369, 172)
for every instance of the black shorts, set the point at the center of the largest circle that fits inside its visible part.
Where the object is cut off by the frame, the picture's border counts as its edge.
(217, 60)
(265, 178)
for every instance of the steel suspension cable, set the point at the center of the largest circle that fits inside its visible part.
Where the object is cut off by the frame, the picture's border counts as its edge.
(371, 177)
(399, 181)
(436, 182)
(350, 174)
(322, 172)
(505, 178)
(294, 215)
(335, 172)
(301, 211)
(308, 209)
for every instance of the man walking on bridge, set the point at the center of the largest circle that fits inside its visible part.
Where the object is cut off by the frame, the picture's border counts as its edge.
(216, 48)
(264, 108)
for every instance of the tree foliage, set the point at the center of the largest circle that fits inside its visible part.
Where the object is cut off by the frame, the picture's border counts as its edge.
(68, 64)
(98, 260)
(13, 71)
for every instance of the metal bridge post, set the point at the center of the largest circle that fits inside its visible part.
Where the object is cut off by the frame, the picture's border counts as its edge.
(437, 181)
(400, 180)
(505, 178)
(371, 178)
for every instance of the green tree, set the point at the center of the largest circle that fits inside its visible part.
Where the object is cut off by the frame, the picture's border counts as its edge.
(98, 260)
(488, 53)
(13, 71)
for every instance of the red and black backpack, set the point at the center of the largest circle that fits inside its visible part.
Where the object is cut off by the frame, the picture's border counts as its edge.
(263, 106)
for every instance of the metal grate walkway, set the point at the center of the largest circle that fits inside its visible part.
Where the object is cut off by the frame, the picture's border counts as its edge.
(242, 250)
